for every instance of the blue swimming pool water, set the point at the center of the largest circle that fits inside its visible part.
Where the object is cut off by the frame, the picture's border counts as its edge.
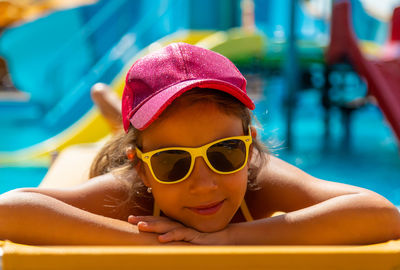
(18, 177)
(371, 160)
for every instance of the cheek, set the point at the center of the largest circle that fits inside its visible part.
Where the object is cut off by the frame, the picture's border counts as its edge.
(167, 197)
(236, 185)
(169, 202)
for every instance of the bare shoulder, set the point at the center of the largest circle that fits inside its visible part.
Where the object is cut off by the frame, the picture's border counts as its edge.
(104, 195)
(284, 187)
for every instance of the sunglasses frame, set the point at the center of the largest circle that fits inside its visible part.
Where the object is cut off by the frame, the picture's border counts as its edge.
(194, 153)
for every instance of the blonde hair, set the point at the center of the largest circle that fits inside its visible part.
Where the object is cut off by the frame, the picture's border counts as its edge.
(112, 157)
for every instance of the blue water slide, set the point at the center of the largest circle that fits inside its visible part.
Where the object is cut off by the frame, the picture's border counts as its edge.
(32, 48)
(112, 32)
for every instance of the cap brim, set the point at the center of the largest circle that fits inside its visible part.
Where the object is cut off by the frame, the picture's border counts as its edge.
(153, 107)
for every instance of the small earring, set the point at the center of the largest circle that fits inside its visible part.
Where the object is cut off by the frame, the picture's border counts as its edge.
(149, 190)
(130, 154)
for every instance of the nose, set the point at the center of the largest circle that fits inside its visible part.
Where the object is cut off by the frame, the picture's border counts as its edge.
(202, 178)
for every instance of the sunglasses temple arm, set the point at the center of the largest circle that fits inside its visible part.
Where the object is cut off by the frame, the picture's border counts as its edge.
(139, 153)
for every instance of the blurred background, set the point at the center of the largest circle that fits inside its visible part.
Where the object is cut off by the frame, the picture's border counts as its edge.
(324, 75)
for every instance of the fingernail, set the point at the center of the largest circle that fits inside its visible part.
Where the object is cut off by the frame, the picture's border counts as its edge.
(163, 238)
(142, 224)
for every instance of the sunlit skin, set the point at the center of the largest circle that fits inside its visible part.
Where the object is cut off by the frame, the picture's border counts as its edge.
(316, 211)
(195, 126)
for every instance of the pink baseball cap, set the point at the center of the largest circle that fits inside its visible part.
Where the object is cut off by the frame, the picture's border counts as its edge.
(157, 79)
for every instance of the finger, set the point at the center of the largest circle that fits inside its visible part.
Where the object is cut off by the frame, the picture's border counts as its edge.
(135, 219)
(179, 234)
(132, 219)
(167, 237)
(159, 226)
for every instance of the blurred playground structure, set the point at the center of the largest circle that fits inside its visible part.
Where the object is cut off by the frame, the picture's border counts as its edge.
(313, 84)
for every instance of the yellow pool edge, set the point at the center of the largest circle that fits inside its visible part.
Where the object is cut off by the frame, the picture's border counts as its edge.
(380, 256)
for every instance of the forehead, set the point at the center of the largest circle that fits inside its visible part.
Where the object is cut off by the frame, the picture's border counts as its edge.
(191, 126)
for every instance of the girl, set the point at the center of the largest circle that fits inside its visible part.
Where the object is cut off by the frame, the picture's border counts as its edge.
(190, 169)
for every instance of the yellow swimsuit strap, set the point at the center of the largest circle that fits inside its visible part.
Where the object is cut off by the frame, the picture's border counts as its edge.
(243, 208)
(245, 211)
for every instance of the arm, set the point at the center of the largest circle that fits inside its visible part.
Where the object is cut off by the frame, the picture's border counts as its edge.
(74, 216)
(346, 219)
(34, 218)
(317, 211)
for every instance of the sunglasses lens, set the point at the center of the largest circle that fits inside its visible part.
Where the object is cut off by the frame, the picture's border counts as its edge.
(227, 156)
(171, 165)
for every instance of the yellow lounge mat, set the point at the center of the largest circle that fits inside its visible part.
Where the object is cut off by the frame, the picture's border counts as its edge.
(381, 256)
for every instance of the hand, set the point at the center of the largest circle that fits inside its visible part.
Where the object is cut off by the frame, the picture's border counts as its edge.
(172, 231)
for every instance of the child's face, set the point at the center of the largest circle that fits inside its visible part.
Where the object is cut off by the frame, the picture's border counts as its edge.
(220, 195)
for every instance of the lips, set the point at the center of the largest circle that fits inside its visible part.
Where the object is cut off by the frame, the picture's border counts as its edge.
(207, 209)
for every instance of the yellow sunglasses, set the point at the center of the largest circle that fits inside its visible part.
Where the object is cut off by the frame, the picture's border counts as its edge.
(174, 164)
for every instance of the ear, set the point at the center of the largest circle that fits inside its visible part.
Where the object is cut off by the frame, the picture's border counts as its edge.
(139, 167)
(253, 133)
(141, 171)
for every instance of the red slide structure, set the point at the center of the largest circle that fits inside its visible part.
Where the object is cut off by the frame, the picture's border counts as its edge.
(382, 75)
